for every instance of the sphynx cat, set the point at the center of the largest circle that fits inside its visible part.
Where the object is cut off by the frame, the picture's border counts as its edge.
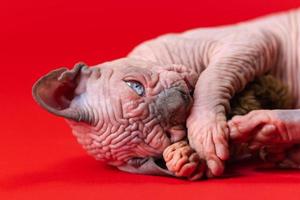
(128, 111)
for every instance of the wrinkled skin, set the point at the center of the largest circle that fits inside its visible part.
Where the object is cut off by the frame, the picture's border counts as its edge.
(275, 131)
(117, 125)
(114, 122)
(183, 161)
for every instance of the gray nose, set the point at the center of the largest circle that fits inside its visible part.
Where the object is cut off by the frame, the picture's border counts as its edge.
(174, 104)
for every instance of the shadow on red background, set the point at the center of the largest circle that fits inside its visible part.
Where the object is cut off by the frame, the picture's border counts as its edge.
(39, 157)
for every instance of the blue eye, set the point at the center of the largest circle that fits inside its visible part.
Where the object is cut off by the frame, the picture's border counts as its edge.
(137, 87)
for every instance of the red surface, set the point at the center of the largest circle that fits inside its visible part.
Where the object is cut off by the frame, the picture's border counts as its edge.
(39, 157)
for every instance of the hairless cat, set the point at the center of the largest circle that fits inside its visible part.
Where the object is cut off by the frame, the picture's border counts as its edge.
(128, 110)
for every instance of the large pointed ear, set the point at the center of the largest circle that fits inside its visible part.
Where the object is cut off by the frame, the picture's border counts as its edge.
(55, 91)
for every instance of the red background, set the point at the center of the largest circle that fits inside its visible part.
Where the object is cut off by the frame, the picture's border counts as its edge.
(40, 159)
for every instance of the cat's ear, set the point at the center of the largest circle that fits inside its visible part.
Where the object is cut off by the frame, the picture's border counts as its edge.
(55, 91)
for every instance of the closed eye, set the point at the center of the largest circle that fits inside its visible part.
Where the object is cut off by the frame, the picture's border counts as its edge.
(137, 87)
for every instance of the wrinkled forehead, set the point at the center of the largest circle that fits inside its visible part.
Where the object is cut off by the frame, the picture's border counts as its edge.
(141, 71)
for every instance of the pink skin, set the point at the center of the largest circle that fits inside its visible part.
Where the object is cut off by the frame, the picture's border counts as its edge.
(227, 59)
(125, 120)
(277, 130)
(263, 127)
(122, 124)
(183, 161)
(215, 62)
